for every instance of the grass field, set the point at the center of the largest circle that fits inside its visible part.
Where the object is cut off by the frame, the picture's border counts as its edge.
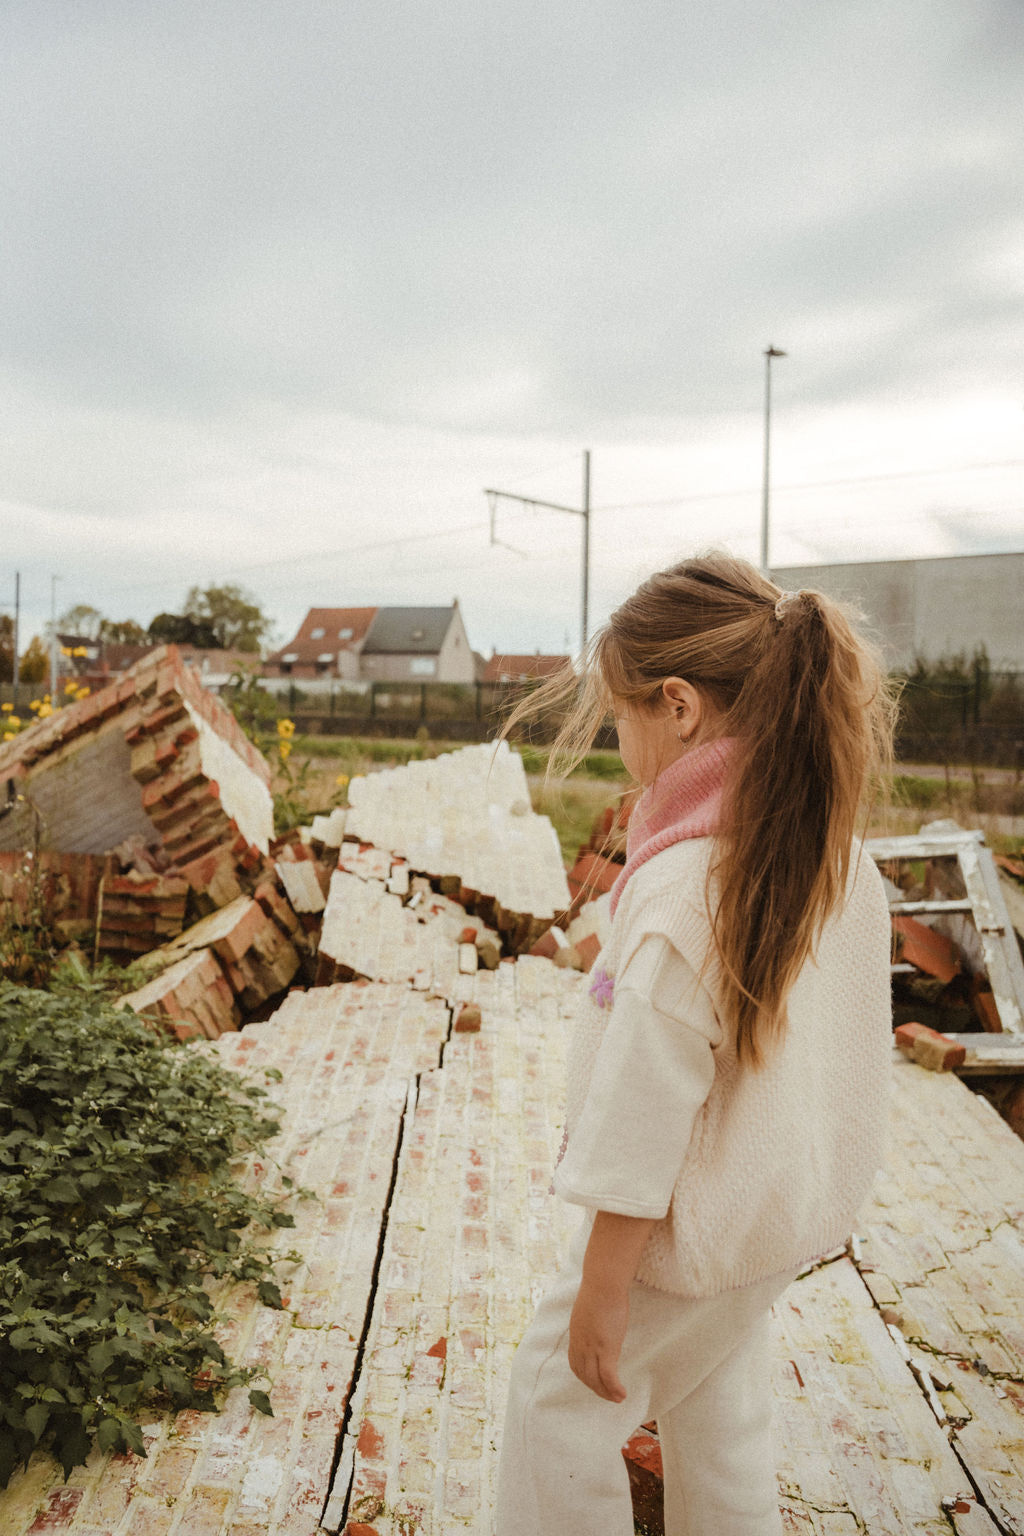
(991, 799)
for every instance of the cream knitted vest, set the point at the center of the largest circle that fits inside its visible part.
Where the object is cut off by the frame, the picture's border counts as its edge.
(780, 1159)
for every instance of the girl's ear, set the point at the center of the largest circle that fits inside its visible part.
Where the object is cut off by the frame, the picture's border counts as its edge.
(685, 704)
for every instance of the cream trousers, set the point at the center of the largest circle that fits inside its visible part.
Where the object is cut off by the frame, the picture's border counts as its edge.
(700, 1367)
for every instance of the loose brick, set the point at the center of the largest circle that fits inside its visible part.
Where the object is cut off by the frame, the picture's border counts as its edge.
(467, 1021)
(929, 1048)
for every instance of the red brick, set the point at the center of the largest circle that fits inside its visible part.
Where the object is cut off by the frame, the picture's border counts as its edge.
(547, 946)
(58, 1513)
(928, 1048)
(642, 1455)
(588, 950)
(468, 1020)
(594, 874)
(931, 952)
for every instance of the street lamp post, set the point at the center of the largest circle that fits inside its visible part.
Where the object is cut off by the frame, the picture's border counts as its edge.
(769, 353)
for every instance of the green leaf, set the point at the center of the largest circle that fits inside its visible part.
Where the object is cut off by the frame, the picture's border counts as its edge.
(269, 1294)
(71, 1445)
(36, 1419)
(101, 1355)
(175, 1382)
(22, 1338)
(133, 1438)
(108, 1435)
(261, 1402)
(63, 1190)
(9, 1457)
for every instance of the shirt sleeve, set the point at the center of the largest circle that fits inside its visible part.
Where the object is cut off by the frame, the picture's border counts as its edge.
(653, 1072)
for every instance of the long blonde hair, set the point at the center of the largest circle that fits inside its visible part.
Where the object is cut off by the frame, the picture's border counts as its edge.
(813, 711)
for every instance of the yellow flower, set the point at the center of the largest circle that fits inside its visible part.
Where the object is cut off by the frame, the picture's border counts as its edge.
(70, 686)
(36, 704)
(13, 720)
(341, 780)
(80, 650)
(83, 693)
(9, 735)
(47, 699)
(7, 708)
(45, 710)
(66, 650)
(286, 728)
(284, 748)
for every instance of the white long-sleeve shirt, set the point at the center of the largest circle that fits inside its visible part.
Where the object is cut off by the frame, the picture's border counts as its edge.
(654, 1070)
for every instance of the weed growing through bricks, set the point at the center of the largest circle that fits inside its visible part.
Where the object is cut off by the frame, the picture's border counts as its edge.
(118, 1206)
(28, 948)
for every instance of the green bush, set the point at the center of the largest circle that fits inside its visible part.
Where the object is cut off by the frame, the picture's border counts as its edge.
(117, 1206)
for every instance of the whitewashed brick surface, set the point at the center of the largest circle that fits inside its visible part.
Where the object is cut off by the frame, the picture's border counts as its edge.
(466, 813)
(473, 1238)
(368, 929)
(868, 1440)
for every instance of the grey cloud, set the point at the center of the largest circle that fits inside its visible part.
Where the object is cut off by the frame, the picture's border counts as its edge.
(391, 212)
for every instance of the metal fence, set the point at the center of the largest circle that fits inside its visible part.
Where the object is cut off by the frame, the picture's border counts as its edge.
(969, 715)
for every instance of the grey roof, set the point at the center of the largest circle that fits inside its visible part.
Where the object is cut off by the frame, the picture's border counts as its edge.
(407, 631)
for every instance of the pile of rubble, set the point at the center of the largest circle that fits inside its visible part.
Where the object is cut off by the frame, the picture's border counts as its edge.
(140, 820)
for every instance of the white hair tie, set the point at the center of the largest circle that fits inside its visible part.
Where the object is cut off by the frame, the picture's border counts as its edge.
(784, 601)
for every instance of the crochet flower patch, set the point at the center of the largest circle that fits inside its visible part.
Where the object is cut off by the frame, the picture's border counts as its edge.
(602, 988)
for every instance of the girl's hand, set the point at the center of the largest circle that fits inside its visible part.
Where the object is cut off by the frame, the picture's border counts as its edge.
(601, 1310)
(596, 1331)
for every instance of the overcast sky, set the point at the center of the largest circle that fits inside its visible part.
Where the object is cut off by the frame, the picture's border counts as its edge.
(284, 285)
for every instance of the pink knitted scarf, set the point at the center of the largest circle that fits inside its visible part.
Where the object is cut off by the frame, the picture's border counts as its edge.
(684, 801)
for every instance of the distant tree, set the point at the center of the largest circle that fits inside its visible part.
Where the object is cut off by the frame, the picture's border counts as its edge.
(83, 619)
(6, 648)
(122, 632)
(34, 665)
(177, 629)
(234, 615)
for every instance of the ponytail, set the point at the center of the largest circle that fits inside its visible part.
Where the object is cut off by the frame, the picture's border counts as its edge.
(814, 716)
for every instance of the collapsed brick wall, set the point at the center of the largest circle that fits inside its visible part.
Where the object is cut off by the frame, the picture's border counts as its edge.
(155, 760)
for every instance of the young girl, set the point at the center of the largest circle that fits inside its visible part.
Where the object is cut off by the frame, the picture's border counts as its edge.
(728, 1076)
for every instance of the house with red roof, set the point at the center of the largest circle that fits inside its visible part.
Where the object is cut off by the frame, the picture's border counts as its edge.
(421, 645)
(327, 644)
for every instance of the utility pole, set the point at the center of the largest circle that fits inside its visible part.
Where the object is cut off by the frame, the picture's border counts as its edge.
(53, 638)
(17, 619)
(769, 353)
(556, 506)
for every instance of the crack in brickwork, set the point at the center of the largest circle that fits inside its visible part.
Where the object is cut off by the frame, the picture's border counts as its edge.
(339, 1474)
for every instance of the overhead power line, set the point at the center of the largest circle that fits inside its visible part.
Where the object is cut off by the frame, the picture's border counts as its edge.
(807, 485)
